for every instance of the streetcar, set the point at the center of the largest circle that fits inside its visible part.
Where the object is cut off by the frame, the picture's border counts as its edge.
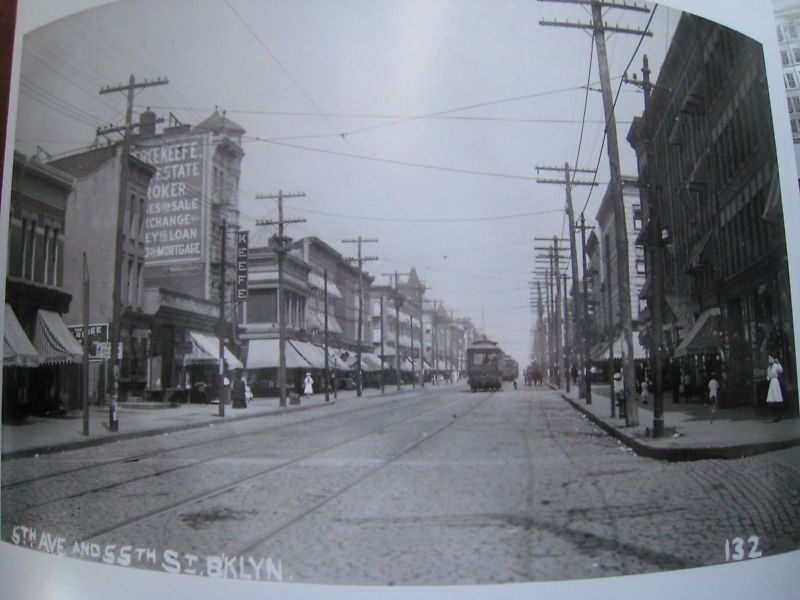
(484, 365)
(510, 368)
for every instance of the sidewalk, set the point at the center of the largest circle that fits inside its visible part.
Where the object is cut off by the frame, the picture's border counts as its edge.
(43, 435)
(690, 433)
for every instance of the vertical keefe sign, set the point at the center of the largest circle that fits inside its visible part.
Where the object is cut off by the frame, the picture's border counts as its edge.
(173, 227)
(241, 265)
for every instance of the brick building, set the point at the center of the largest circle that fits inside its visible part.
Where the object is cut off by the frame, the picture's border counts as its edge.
(712, 158)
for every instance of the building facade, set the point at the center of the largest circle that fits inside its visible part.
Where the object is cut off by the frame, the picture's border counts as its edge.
(40, 356)
(607, 309)
(712, 164)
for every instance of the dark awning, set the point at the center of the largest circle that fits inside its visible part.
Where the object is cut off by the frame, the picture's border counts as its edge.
(54, 342)
(703, 337)
(18, 351)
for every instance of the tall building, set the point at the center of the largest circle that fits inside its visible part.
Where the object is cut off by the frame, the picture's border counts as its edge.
(712, 166)
(182, 186)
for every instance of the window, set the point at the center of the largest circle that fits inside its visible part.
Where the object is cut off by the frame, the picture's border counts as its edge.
(52, 268)
(784, 57)
(779, 32)
(637, 217)
(796, 100)
(790, 80)
(141, 220)
(796, 54)
(789, 100)
(31, 250)
(640, 270)
(792, 31)
(262, 306)
(46, 255)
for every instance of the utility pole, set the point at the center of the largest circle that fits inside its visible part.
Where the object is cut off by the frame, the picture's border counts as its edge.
(434, 345)
(655, 248)
(586, 341)
(554, 257)
(325, 304)
(281, 252)
(221, 324)
(567, 344)
(422, 289)
(382, 350)
(85, 362)
(568, 182)
(360, 260)
(598, 27)
(119, 247)
(611, 332)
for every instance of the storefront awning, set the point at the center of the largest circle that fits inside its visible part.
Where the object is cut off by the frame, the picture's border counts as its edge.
(317, 281)
(703, 337)
(53, 341)
(206, 350)
(335, 360)
(18, 351)
(600, 350)
(315, 319)
(264, 354)
(313, 355)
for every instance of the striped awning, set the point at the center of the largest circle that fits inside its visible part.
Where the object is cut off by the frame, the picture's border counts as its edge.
(205, 349)
(18, 351)
(53, 341)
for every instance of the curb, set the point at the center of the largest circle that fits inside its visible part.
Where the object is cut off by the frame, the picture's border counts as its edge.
(688, 453)
(88, 443)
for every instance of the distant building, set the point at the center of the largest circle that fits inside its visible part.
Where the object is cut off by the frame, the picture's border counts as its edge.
(608, 269)
(40, 355)
(787, 28)
(713, 165)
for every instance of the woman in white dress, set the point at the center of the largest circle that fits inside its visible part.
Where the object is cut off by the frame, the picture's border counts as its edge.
(308, 385)
(774, 396)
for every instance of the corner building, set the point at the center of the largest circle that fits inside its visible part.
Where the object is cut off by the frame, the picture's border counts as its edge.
(712, 165)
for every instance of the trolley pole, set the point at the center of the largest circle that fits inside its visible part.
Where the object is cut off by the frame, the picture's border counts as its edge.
(360, 260)
(586, 341)
(281, 252)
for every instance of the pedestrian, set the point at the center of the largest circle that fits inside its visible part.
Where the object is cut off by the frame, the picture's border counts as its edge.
(574, 373)
(239, 394)
(774, 395)
(713, 395)
(619, 392)
(515, 382)
(308, 385)
(645, 391)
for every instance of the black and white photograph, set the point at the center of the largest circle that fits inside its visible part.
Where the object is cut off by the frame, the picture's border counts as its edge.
(402, 293)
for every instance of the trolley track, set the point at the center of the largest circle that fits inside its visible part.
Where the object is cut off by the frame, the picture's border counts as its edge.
(252, 544)
(239, 435)
(232, 484)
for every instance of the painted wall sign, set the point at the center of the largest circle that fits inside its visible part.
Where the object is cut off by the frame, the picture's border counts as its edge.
(174, 230)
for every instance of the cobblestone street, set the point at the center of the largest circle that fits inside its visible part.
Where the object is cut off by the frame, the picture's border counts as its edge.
(441, 486)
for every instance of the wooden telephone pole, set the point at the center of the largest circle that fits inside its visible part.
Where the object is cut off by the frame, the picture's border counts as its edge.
(598, 27)
(119, 248)
(568, 182)
(281, 251)
(586, 341)
(360, 260)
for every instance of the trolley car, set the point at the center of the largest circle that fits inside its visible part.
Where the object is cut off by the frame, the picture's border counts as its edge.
(510, 368)
(484, 365)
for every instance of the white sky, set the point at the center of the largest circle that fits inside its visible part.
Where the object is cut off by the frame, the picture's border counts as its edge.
(348, 65)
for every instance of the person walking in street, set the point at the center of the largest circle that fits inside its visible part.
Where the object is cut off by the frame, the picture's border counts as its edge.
(774, 395)
(308, 385)
(238, 393)
(713, 395)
